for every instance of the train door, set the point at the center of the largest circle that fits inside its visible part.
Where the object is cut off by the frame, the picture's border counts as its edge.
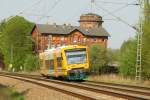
(59, 65)
(42, 63)
(55, 65)
(51, 67)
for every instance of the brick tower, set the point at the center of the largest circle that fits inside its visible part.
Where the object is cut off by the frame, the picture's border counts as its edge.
(90, 20)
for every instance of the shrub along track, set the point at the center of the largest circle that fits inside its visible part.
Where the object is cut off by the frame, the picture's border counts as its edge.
(87, 90)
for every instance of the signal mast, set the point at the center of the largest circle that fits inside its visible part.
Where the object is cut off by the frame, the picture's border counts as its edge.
(139, 45)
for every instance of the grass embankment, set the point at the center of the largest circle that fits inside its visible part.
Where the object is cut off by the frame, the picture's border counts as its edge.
(7, 93)
(118, 79)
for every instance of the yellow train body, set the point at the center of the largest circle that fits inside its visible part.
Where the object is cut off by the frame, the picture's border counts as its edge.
(71, 62)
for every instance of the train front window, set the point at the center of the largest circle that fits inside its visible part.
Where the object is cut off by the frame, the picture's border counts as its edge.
(76, 56)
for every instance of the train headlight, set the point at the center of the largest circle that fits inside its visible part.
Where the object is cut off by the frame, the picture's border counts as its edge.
(69, 68)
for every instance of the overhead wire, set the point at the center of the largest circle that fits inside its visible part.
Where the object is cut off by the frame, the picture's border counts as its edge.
(116, 10)
(21, 12)
(76, 12)
(110, 19)
(116, 3)
(121, 8)
(48, 11)
(118, 18)
(37, 15)
(56, 3)
(36, 12)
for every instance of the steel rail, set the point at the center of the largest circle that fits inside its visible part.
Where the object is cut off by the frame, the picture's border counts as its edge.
(95, 88)
(123, 88)
(72, 93)
(121, 85)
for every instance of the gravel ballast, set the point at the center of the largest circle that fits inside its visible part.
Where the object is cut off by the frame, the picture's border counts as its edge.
(33, 91)
(36, 92)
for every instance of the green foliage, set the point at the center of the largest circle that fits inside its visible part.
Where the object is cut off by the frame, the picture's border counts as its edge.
(128, 58)
(146, 38)
(98, 58)
(113, 55)
(128, 49)
(15, 41)
(31, 63)
(7, 93)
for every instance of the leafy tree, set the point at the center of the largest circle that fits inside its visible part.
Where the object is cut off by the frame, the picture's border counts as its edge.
(113, 55)
(128, 58)
(145, 39)
(128, 49)
(98, 58)
(31, 63)
(16, 40)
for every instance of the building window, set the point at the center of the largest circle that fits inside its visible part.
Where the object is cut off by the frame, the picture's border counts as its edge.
(54, 38)
(94, 39)
(58, 38)
(103, 39)
(84, 39)
(87, 39)
(65, 38)
(62, 38)
(75, 39)
(79, 39)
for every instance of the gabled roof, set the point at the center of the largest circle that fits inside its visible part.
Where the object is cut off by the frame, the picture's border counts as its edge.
(66, 29)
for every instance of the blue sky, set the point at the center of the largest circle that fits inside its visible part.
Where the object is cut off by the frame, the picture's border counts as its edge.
(69, 11)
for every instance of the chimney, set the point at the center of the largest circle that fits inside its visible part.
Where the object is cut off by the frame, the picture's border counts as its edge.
(55, 25)
(64, 25)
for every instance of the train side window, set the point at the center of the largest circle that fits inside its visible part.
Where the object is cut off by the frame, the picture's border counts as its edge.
(59, 59)
(51, 64)
(47, 64)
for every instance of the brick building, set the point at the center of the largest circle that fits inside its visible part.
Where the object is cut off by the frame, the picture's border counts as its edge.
(90, 31)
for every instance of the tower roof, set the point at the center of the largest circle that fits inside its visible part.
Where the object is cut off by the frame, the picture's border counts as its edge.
(91, 14)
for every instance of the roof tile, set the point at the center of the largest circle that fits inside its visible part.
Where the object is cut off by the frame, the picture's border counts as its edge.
(67, 29)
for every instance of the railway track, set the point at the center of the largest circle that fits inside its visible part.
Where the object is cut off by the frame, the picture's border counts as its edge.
(122, 87)
(56, 85)
(122, 91)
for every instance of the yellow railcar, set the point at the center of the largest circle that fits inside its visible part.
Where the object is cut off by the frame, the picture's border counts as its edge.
(70, 62)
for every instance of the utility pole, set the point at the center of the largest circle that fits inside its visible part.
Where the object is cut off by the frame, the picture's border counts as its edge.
(92, 5)
(139, 46)
(139, 35)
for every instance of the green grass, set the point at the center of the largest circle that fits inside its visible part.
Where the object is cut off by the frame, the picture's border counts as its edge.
(7, 93)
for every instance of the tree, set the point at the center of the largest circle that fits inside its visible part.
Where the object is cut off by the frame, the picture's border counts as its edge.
(113, 55)
(16, 40)
(146, 38)
(128, 58)
(31, 63)
(128, 49)
(98, 58)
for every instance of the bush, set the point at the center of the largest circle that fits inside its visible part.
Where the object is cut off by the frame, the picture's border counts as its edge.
(31, 63)
(98, 58)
